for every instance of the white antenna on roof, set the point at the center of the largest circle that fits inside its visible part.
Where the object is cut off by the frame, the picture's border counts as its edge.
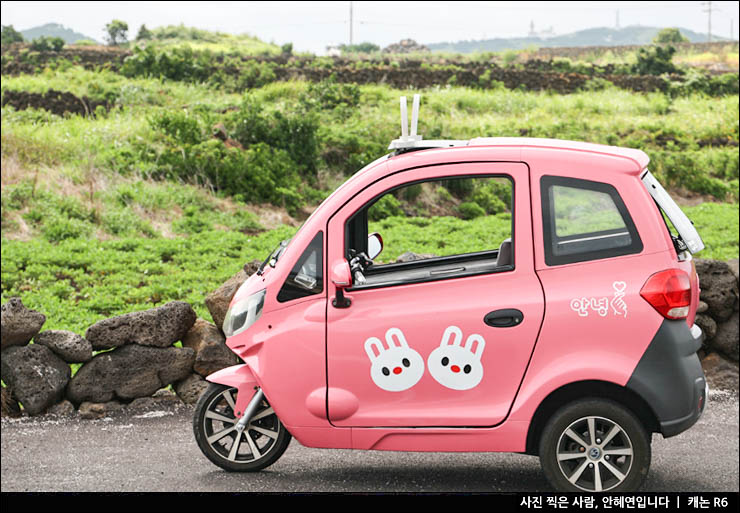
(407, 140)
(413, 140)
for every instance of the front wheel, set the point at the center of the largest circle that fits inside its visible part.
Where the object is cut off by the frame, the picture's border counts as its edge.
(595, 445)
(259, 445)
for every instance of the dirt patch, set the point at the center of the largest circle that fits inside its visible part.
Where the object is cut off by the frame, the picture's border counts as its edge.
(271, 217)
(56, 102)
(686, 198)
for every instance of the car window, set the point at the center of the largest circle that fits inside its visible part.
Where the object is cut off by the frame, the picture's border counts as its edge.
(441, 218)
(580, 211)
(585, 220)
(307, 276)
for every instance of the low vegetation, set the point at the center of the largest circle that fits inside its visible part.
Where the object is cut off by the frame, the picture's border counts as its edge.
(187, 169)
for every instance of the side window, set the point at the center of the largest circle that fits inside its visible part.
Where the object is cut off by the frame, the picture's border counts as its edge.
(585, 220)
(307, 276)
(431, 228)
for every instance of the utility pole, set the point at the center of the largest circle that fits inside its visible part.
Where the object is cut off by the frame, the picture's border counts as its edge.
(350, 23)
(708, 10)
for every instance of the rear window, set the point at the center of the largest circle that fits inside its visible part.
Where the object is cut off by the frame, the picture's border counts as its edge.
(585, 220)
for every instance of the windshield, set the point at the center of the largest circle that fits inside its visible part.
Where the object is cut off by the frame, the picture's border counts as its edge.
(274, 256)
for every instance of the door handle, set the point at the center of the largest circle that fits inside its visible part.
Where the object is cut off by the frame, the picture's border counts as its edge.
(505, 318)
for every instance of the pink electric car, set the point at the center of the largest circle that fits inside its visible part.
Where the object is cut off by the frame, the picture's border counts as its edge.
(564, 328)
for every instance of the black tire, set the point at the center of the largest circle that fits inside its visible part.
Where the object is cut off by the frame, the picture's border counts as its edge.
(219, 450)
(581, 466)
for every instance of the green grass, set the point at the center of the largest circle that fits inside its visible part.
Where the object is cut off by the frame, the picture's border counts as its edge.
(691, 140)
(85, 229)
(77, 282)
(440, 236)
(125, 209)
(717, 225)
(219, 42)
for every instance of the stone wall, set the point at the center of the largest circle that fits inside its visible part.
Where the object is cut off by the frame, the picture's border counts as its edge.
(129, 362)
(537, 74)
(577, 52)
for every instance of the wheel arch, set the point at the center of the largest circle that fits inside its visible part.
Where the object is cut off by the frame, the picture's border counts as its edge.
(585, 389)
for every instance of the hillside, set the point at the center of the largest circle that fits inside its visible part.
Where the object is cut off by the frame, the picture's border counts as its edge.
(134, 177)
(601, 36)
(54, 30)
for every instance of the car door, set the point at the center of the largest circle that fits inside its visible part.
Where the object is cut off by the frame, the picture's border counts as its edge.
(440, 345)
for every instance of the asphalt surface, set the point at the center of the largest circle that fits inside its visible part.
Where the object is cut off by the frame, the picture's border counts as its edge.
(155, 451)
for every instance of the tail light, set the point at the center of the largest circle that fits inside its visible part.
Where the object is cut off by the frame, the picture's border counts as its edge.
(669, 292)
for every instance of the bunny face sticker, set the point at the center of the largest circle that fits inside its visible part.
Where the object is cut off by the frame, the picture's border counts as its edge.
(456, 365)
(397, 367)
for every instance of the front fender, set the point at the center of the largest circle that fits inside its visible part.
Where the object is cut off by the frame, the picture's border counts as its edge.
(240, 377)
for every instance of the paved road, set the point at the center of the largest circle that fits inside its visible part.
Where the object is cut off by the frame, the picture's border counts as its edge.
(156, 452)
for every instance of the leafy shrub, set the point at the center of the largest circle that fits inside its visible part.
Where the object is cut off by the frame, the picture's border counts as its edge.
(725, 84)
(59, 228)
(191, 222)
(387, 206)
(487, 197)
(183, 33)
(144, 33)
(116, 32)
(123, 222)
(10, 35)
(180, 126)
(670, 35)
(443, 193)
(294, 134)
(509, 57)
(47, 44)
(460, 188)
(245, 222)
(596, 84)
(411, 192)
(655, 60)
(696, 81)
(486, 82)
(470, 210)
(178, 63)
(328, 94)
(254, 74)
(365, 47)
(17, 196)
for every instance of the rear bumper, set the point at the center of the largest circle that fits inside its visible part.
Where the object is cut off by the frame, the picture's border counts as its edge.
(670, 378)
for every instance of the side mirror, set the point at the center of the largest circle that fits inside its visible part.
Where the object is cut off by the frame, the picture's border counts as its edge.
(341, 277)
(374, 245)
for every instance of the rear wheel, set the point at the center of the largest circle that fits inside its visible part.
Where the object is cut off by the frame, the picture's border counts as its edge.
(595, 445)
(259, 445)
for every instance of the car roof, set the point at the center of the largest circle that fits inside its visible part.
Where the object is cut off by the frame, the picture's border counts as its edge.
(505, 144)
(638, 156)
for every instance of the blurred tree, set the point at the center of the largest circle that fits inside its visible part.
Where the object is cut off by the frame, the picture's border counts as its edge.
(47, 44)
(117, 32)
(365, 47)
(655, 60)
(144, 33)
(10, 35)
(670, 35)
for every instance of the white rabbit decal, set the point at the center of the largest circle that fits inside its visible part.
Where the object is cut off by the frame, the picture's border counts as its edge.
(397, 368)
(455, 365)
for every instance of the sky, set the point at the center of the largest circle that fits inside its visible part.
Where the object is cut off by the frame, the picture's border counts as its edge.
(311, 26)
